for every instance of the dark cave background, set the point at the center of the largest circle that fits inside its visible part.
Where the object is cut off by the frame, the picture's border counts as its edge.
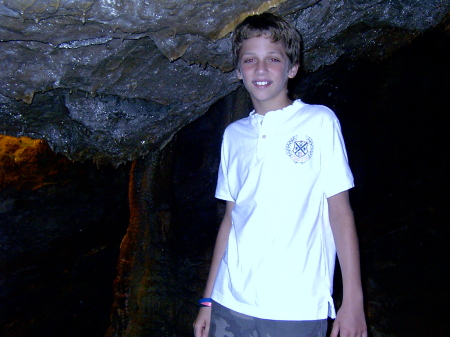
(60, 242)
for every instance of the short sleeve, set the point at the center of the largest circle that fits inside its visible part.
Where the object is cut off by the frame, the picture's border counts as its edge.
(336, 175)
(223, 186)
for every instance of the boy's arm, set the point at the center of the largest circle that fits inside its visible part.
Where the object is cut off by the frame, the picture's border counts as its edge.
(350, 320)
(201, 324)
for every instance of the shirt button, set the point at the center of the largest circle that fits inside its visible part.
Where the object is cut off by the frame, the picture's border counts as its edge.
(264, 136)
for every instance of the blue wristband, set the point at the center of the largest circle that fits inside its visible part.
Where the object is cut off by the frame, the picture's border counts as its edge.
(204, 302)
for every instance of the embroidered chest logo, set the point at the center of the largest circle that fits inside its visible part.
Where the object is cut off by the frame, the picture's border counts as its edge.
(300, 151)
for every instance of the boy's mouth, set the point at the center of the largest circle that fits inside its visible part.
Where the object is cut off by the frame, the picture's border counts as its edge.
(261, 83)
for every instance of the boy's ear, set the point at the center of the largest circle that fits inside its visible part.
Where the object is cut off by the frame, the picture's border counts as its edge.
(293, 71)
(238, 74)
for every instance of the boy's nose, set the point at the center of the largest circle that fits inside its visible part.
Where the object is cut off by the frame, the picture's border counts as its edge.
(260, 68)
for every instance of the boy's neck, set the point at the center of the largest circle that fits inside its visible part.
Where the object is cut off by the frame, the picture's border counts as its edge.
(264, 107)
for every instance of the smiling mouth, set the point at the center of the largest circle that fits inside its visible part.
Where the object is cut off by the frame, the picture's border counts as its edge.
(261, 83)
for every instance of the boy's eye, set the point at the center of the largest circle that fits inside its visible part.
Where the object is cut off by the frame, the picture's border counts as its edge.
(248, 60)
(274, 60)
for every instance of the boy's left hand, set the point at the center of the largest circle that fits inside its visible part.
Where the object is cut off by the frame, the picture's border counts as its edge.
(350, 322)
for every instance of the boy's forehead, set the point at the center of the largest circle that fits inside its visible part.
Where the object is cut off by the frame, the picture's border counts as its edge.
(261, 42)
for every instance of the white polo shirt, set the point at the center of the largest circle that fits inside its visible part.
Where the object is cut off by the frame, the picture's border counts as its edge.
(280, 170)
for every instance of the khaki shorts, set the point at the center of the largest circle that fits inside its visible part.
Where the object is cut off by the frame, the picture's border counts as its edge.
(228, 323)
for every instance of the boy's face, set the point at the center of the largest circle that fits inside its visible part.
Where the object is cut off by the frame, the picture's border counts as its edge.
(265, 69)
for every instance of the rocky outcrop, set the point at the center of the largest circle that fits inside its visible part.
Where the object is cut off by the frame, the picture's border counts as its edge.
(111, 80)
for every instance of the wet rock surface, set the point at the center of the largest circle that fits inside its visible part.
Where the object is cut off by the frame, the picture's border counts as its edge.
(112, 80)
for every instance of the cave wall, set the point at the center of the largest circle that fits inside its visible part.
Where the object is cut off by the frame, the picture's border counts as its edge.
(61, 224)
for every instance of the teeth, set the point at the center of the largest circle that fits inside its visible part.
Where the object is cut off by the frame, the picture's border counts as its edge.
(261, 82)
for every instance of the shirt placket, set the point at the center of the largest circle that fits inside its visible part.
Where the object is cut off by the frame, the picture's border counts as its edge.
(263, 137)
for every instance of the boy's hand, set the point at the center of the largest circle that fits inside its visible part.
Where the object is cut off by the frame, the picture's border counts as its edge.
(350, 322)
(201, 324)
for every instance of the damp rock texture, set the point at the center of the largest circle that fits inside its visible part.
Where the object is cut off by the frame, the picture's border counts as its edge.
(112, 80)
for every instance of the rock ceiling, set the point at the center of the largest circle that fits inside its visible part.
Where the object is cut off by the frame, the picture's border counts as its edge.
(109, 80)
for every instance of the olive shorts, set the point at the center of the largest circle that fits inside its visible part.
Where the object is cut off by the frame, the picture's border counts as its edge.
(228, 323)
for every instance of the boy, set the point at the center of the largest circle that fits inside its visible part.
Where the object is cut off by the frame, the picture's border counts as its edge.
(284, 176)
